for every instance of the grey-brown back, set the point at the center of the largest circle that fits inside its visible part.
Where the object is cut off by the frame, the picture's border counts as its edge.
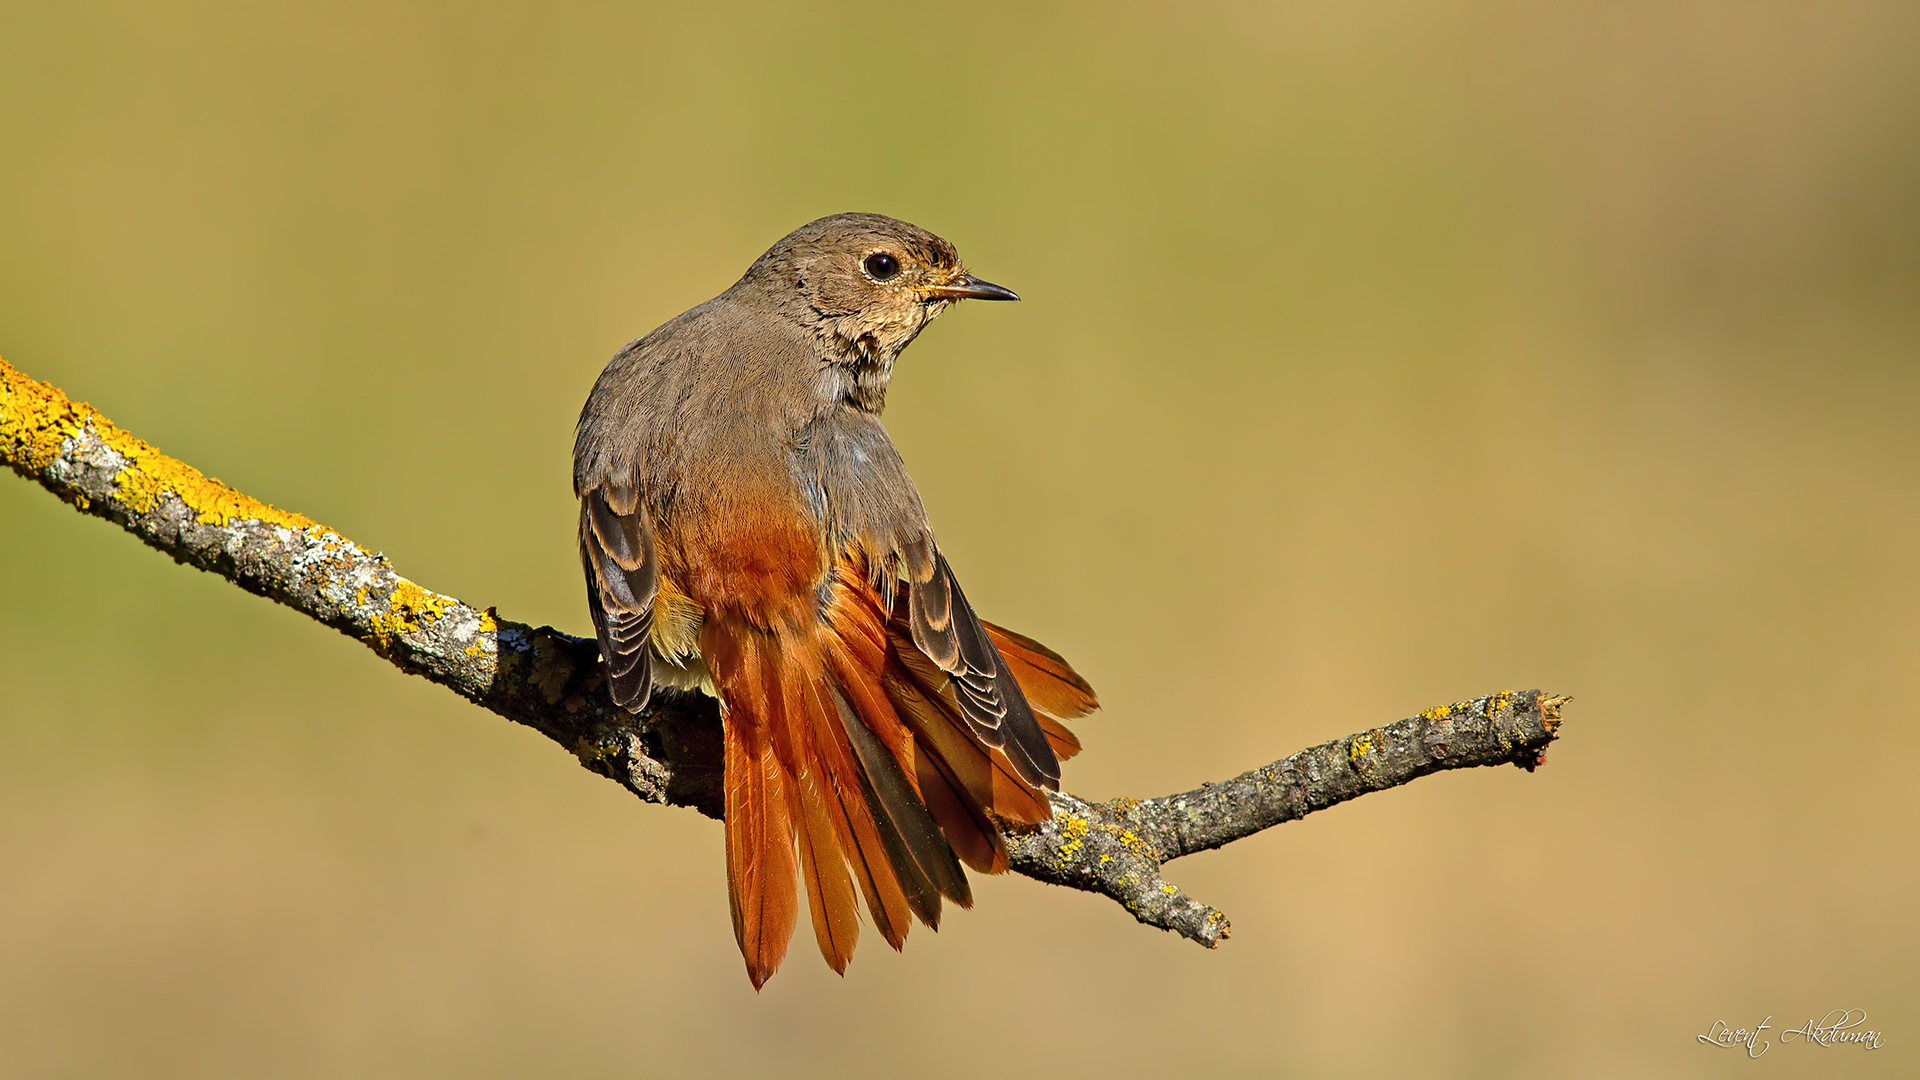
(732, 396)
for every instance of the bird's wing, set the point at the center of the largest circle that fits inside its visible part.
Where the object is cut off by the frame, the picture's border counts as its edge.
(623, 577)
(1056, 691)
(945, 629)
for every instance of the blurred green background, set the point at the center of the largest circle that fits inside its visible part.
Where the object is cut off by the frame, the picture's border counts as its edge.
(1374, 355)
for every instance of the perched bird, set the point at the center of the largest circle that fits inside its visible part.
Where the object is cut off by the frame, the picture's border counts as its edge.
(748, 529)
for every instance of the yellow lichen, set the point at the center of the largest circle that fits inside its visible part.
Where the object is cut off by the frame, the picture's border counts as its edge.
(36, 419)
(1214, 918)
(488, 626)
(1139, 846)
(1075, 831)
(409, 607)
(1438, 712)
(1360, 755)
(151, 475)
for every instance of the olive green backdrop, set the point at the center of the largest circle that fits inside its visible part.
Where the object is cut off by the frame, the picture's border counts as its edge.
(1374, 355)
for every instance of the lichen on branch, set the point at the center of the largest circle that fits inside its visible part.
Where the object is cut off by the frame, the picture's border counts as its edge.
(551, 681)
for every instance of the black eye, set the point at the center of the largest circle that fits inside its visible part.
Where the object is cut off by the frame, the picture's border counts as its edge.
(882, 266)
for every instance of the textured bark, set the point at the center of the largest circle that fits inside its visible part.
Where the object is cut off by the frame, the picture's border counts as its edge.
(1118, 847)
(552, 682)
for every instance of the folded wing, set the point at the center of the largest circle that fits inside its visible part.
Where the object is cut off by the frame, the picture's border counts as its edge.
(623, 577)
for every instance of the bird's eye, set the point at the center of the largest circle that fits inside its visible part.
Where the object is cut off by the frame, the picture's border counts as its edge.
(881, 266)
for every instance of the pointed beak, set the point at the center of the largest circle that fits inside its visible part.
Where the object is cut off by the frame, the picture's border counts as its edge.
(968, 287)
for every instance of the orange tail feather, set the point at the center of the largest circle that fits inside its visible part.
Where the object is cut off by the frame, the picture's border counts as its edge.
(760, 867)
(823, 862)
(851, 767)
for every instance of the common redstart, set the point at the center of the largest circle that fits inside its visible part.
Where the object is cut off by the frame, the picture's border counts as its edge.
(748, 529)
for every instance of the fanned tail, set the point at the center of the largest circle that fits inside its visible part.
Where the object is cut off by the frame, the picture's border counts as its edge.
(885, 747)
(828, 782)
(853, 766)
(772, 705)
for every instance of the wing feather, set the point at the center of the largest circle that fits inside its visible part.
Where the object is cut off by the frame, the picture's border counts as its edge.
(944, 629)
(623, 578)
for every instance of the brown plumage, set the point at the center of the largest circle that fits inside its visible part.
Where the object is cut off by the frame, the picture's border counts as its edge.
(748, 529)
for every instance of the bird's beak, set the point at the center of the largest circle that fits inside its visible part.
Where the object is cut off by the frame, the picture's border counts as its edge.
(968, 287)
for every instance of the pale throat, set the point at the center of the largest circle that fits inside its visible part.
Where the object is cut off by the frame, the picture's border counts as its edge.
(868, 344)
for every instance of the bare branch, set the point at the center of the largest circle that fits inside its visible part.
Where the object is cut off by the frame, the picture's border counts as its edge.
(551, 681)
(1118, 847)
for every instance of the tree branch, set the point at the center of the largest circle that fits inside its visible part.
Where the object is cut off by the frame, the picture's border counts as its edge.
(551, 681)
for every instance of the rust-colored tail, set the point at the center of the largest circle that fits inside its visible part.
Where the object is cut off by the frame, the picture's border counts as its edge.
(759, 850)
(845, 742)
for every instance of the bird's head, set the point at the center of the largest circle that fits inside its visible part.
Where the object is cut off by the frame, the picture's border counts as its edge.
(868, 282)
